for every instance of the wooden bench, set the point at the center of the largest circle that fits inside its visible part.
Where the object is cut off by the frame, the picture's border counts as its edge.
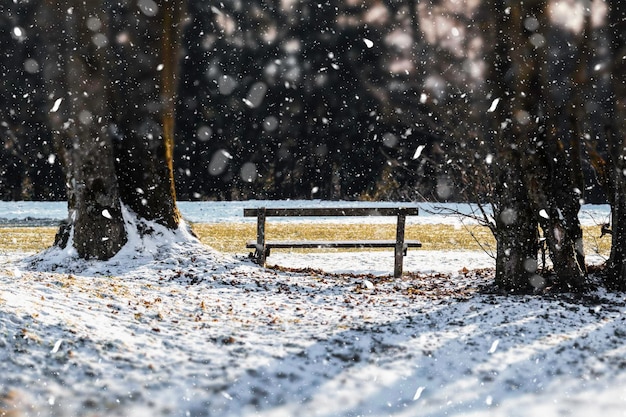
(400, 245)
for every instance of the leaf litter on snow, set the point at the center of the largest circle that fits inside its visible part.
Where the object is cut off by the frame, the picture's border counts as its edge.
(183, 330)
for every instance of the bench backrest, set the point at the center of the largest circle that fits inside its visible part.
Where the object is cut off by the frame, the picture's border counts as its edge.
(332, 211)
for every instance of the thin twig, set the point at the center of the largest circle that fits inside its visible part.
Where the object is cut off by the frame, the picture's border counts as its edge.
(483, 219)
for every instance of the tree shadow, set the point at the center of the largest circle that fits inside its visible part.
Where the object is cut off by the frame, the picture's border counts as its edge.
(444, 356)
(480, 357)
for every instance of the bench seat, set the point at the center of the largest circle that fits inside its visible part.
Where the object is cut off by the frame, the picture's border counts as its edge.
(309, 244)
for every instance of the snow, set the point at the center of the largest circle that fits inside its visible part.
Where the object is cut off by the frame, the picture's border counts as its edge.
(57, 104)
(494, 105)
(39, 212)
(169, 327)
(418, 151)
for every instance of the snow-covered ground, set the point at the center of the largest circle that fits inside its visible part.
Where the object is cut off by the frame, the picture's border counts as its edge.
(176, 329)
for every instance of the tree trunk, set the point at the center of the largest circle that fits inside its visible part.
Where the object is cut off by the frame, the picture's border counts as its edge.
(115, 72)
(616, 271)
(547, 167)
(96, 228)
(516, 230)
(143, 101)
(565, 184)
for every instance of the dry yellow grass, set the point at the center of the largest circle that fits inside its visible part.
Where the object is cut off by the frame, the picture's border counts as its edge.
(232, 237)
(26, 239)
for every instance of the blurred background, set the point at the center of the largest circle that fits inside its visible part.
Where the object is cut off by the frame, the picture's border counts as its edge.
(335, 99)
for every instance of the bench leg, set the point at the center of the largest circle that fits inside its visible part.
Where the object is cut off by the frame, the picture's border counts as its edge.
(261, 252)
(261, 255)
(399, 250)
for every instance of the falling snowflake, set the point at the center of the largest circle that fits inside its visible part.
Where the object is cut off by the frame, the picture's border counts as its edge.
(494, 105)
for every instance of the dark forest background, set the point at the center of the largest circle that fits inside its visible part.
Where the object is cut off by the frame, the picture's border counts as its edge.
(351, 99)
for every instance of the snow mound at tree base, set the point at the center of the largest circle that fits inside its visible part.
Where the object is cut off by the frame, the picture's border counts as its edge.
(148, 243)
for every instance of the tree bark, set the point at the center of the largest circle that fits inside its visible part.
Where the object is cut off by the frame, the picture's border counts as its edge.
(559, 189)
(95, 226)
(616, 265)
(143, 101)
(516, 230)
(547, 168)
(112, 72)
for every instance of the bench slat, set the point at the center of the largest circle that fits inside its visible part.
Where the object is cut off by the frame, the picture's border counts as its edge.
(333, 211)
(287, 244)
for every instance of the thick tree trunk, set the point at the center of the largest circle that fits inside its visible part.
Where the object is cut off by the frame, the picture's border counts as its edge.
(565, 184)
(95, 227)
(616, 271)
(143, 108)
(516, 228)
(555, 207)
(548, 169)
(113, 80)
(583, 80)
